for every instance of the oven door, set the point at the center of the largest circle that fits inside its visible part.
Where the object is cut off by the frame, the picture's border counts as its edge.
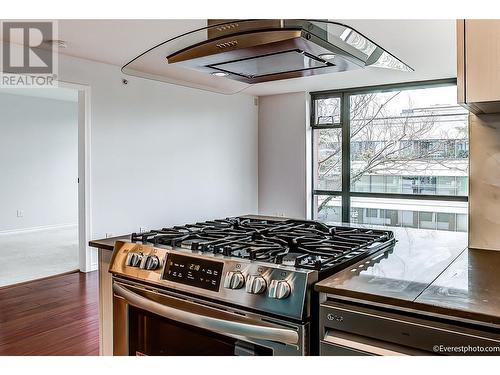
(147, 321)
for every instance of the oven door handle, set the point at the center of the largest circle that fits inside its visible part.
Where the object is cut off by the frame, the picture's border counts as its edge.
(223, 326)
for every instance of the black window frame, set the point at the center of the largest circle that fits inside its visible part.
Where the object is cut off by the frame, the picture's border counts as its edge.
(345, 193)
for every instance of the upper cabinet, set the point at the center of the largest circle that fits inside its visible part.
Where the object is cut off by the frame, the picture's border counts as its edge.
(478, 65)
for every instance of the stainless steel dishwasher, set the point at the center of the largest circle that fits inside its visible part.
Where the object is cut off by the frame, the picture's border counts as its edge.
(348, 328)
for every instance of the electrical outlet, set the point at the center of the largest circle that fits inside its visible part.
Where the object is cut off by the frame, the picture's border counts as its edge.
(20, 213)
(143, 229)
(109, 235)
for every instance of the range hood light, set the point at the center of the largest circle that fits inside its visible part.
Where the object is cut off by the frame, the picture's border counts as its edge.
(220, 74)
(326, 56)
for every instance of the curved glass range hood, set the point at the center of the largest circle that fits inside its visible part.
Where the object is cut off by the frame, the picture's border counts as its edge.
(229, 56)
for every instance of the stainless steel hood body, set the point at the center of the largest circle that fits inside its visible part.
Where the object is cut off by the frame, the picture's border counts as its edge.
(228, 57)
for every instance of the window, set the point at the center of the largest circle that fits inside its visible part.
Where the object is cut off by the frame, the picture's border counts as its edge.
(328, 207)
(328, 159)
(393, 155)
(328, 111)
(446, 185)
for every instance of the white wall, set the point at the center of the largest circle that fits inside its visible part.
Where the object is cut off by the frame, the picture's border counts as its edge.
(38, 162)
(283, 155)
(164, 154)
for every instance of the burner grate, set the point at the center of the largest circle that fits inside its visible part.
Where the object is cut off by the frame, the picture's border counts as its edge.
(299, 243)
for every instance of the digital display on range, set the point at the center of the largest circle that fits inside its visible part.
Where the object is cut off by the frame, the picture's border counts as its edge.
(197, 272)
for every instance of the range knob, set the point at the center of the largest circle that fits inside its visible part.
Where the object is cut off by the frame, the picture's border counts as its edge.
(134, 259)
(256, 284)
(279, 289)
(234, 280)
(151, 262)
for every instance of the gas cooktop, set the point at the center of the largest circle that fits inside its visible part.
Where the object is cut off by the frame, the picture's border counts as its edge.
(298, 243)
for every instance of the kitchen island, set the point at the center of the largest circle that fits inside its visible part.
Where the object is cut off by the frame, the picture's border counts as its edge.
(105, 250)
(425, 271)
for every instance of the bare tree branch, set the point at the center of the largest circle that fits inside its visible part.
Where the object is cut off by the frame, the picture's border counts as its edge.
(387, 142)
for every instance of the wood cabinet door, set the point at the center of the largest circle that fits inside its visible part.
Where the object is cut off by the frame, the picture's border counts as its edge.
(482, 60)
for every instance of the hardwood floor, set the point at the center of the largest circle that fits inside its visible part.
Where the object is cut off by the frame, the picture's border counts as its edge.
(54, 316)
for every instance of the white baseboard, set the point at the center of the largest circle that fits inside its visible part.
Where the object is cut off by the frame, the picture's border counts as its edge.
(92, 267)
(37, 229)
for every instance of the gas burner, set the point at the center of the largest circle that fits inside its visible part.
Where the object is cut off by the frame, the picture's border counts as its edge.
(296, 243)
(289, 259)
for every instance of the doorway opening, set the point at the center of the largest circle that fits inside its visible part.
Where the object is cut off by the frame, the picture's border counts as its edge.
(44, 220)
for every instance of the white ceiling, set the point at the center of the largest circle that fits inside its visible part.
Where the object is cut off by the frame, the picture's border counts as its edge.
(426, 45)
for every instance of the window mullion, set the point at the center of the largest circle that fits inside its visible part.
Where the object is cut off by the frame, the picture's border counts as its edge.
(346, 157)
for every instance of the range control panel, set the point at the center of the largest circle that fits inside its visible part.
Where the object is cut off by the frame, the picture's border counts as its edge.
(273, 288)
(193, 271)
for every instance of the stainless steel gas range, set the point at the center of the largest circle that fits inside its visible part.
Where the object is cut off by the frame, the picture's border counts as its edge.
(239, 286)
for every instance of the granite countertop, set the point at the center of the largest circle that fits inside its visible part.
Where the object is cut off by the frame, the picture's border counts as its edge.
(108, 243)
(469, 286)
(432, 272)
